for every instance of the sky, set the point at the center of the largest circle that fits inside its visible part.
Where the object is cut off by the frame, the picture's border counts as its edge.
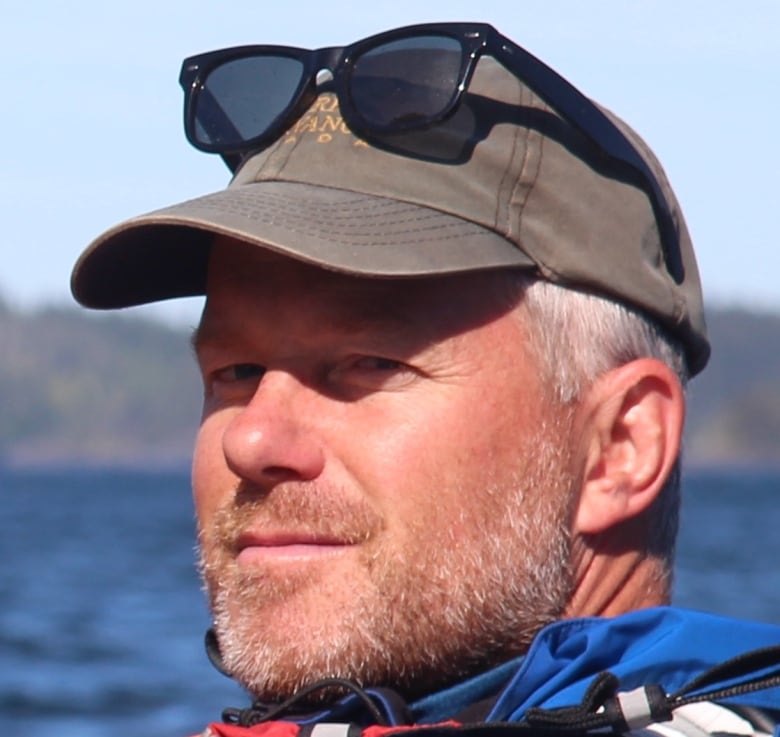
(92, 132)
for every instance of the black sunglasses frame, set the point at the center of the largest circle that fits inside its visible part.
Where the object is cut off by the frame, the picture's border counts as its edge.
(475, 39)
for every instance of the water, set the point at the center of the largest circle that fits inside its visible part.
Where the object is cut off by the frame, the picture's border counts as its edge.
(102, 619)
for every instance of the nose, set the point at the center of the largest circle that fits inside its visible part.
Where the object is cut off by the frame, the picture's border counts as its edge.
(274, 438)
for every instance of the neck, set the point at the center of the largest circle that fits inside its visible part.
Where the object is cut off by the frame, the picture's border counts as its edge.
(613, 577)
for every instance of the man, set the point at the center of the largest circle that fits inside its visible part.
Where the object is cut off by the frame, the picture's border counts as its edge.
(444, 351)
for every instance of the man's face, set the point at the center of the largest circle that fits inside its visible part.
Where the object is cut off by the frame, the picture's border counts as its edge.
(382, 485)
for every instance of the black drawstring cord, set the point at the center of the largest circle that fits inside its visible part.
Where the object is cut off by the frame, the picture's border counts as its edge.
(603, 707)
(599, 709)
(261, 712)
(755, 660)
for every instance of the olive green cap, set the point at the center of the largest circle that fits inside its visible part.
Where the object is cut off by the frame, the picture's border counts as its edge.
(505, 183)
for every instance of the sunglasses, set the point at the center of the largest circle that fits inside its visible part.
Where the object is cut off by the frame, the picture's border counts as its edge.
(240, 100)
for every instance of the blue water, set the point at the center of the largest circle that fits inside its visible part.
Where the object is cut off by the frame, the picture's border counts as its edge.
(102, 619)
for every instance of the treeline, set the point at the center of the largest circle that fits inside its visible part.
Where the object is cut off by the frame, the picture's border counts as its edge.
(734, 405)
(79, 387)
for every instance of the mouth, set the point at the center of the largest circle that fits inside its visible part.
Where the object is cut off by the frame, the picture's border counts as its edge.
(254, 548)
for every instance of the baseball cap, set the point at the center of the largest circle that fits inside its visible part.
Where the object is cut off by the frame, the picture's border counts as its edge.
(504, 183)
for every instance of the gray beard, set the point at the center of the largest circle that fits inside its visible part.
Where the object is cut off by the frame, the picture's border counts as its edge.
(435, 614)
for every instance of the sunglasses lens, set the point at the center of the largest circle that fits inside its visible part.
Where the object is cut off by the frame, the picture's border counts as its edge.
(406, 84)
(242, 98)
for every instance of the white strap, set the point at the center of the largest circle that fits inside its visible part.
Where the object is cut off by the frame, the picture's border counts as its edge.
(635, 708)
(330, 730)
(703, 719)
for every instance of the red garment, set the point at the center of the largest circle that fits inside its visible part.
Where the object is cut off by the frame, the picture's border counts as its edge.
(289, 729)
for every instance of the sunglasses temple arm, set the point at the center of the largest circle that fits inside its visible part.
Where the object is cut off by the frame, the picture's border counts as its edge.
(575, 108)
(232, 161)
(567, 100)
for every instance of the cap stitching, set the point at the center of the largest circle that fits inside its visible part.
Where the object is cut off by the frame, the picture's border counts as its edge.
(356, 212)
(525, 182)
(334, 213)
(399, 226)
(504, 219)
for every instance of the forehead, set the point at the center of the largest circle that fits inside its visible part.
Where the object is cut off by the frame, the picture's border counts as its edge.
(250, 283)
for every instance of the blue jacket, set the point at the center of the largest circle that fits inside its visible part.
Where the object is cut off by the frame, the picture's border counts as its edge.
(666, 646)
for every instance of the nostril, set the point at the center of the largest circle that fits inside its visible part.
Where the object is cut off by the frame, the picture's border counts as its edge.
(278, 474)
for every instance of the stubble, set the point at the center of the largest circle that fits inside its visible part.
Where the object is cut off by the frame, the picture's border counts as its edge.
(455, 600)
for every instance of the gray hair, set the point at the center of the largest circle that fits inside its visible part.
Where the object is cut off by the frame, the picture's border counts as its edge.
(578, 337)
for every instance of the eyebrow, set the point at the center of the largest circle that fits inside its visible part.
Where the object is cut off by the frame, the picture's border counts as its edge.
(362, 317)
(379, 314)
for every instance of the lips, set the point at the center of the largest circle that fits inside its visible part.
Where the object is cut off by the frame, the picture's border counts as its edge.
(291, 521)
(254, 548)
(281, 538)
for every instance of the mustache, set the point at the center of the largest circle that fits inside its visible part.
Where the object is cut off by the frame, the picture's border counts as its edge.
(313, 508)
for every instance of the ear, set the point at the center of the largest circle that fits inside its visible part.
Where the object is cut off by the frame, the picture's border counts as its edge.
(630, 423)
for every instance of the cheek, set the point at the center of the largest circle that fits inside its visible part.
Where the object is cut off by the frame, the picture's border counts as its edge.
(466, 477)
(211, 478)
(426, 464)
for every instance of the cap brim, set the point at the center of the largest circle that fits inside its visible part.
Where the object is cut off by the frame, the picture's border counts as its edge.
(164, 254)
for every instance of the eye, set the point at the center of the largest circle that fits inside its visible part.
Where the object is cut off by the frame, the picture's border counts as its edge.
(377, 363)
(240, 372)
(366, 374)
(235, 381)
